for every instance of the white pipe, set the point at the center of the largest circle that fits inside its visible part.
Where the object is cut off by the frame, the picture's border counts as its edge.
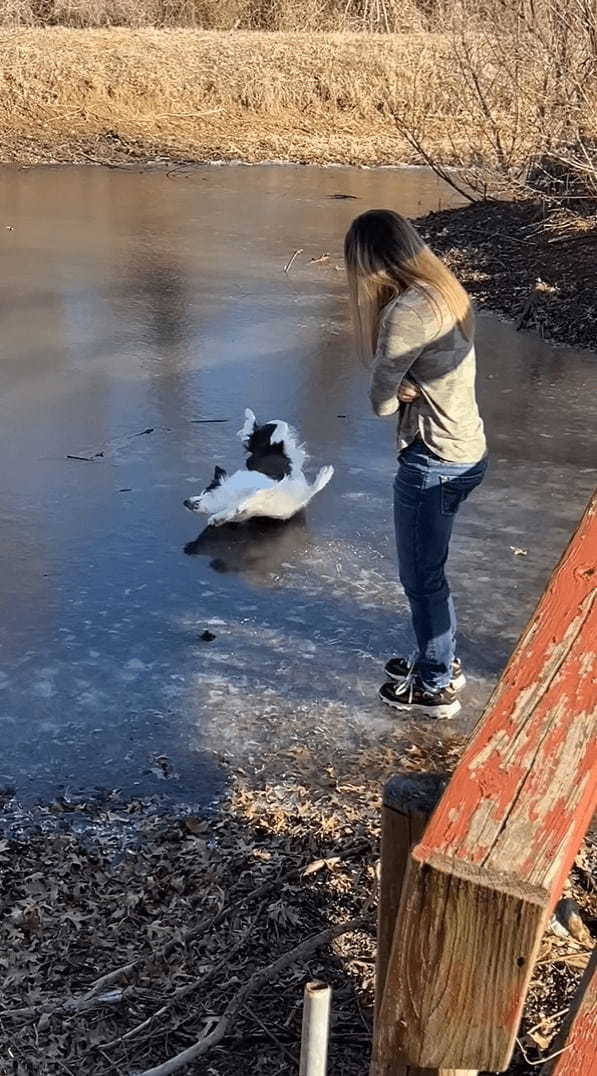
(316, 1028)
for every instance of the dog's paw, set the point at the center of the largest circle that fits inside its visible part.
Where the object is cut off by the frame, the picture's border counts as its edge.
(219, 519)
(324, 476)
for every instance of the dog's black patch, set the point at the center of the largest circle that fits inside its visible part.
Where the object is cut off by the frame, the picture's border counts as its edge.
(260, 439)
(273, 464)
(264, 457)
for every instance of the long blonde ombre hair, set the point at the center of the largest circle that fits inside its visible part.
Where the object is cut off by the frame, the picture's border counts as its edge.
(384, 257)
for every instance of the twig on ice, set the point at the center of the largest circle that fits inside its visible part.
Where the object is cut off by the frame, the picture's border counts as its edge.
(290, 263)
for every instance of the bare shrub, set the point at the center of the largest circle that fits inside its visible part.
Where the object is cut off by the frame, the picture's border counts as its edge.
(16, 13)
(527, 93)
(95, 13)
(298, 16)
(385, 16)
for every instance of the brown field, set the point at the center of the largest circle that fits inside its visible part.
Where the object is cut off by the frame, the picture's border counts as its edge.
(518, 104)
(123, 95)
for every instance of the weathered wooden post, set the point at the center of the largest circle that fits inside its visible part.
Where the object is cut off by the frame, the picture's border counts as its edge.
(492, 862)
(408, 802)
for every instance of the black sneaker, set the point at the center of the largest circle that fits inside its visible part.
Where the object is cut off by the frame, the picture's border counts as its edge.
(400, 668)
(410, 695)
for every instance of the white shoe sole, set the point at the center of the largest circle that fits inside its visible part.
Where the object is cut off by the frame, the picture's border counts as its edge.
(444, 712)
(458, 684)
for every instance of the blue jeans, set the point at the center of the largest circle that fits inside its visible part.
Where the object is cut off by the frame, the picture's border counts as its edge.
(428, 492)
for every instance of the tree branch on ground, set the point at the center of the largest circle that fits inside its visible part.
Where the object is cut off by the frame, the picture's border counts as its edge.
(257, 980)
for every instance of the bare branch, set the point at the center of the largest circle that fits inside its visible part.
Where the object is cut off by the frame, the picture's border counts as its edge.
(257, 980)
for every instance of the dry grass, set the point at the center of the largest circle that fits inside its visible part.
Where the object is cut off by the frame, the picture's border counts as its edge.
(125, 95)
(118, 95)
(302, 15)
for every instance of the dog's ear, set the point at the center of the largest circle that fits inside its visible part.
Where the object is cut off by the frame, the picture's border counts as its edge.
(219, 475)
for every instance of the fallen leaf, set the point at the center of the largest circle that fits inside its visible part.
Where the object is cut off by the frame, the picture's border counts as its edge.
(194, 825)
(541, 1040)
(567, 915)
(319, 864)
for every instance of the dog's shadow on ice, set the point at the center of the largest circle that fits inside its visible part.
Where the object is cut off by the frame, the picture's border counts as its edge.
(259, 549)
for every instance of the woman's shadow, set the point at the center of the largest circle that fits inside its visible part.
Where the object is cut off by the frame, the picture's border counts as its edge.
(258, 549)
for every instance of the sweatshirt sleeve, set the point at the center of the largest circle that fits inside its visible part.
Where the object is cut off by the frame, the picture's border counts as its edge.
(402, 337)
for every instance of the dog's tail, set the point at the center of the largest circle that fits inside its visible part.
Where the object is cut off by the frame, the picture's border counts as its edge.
(296, 454)
(249, 427)
(321, 481)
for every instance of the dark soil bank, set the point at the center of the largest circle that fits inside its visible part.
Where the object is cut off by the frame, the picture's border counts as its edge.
(539, 268)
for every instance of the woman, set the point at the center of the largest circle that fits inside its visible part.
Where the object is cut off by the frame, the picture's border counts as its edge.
(415, 321)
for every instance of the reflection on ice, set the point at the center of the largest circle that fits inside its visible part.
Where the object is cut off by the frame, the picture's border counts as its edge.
(258, 550)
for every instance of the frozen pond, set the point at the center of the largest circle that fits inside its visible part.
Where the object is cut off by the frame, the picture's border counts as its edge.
(136, 307)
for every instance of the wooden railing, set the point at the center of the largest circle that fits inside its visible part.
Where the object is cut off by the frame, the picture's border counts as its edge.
(574, 1051)
(466, 897)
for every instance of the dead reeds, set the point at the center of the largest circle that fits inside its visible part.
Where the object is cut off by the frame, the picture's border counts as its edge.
(118, 95)
(382, 16)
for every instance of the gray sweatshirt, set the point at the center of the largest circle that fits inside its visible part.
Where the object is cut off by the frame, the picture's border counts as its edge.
(438, 357)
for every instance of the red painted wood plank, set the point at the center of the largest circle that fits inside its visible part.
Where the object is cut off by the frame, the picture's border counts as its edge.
(524, 792)
(492, 862)
(578, 1040)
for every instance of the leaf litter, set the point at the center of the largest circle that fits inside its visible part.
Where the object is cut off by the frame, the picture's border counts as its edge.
(125, 943)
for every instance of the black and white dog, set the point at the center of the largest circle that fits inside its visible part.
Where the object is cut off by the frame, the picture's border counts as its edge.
(273, 484)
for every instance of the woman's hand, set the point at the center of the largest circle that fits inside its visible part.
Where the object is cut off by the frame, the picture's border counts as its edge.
(408, 391)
